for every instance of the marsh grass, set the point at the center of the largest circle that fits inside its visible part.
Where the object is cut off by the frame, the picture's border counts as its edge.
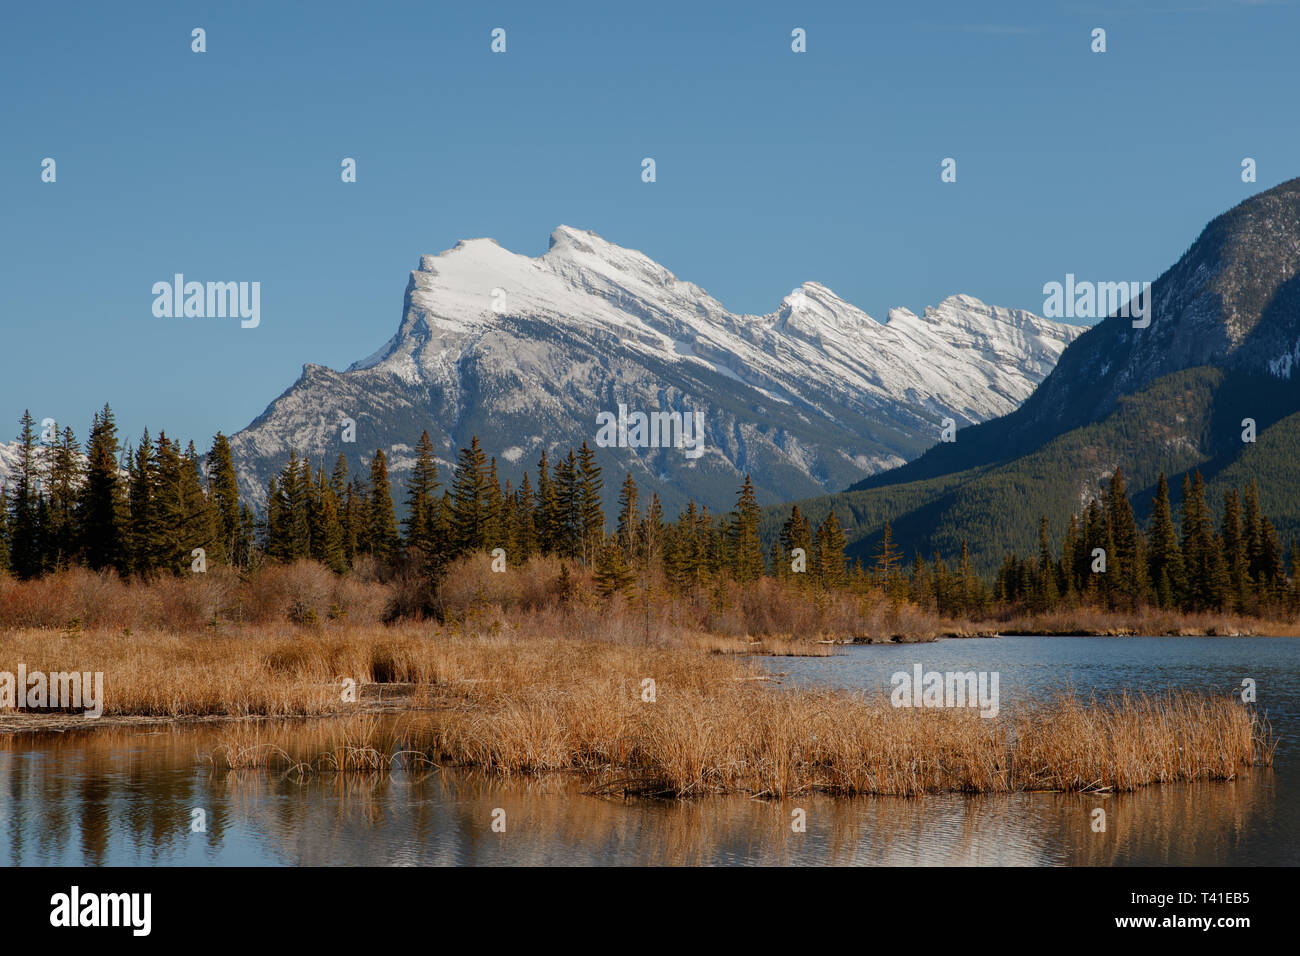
(501, 692)
(525, 708)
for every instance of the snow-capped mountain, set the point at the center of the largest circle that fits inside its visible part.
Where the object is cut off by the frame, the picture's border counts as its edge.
(1231, 301)
(526, 352)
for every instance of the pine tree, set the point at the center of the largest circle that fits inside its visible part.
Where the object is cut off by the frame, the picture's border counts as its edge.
(796, 533)
(567, 527)
(246, 553)
(1164, 556)
(745, 549)
(142, 519)
(223, 491)
(4, 529)
(63, 478)
(1219, 575)
(888, 561)
(920, 583)
(469, 501)
(181, 518)
(1196, 545)
(626, 530)
(1071, 552)
(422, 500)
(591, 513)
(101, 504)
(612, 572)
(1124, 564)
(653, 532)
(972, 596)
(24, 520)
(524, 532)
(382, 521)
(200, 520)
(1293, 589)
(1048, 583)
(326, 525)
(830, 552)
(547, 507)
(288, 524)
(496, 531)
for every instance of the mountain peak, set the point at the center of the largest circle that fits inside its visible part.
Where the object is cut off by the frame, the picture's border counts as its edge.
(524, 351)
(569, 237)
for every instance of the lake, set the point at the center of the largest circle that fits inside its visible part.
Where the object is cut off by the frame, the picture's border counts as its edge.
(127, 796)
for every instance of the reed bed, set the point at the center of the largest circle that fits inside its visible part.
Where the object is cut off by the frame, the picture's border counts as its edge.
(502, 693)
(524, 709)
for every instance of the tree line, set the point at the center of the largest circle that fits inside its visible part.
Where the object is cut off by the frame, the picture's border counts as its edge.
(145, 509)
(1105, 559)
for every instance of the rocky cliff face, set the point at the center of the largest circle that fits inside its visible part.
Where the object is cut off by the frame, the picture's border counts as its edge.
(526, 352)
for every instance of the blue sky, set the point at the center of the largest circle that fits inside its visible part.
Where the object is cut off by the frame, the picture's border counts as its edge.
(772, 167)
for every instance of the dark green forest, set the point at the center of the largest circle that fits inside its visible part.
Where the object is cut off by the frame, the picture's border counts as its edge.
(154, 507)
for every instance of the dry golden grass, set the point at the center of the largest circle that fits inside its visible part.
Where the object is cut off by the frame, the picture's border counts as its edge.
(1145, 621)
(520, 704)
(497, 689)
(708, 732)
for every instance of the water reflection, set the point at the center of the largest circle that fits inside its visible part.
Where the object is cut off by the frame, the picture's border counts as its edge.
(125, 797)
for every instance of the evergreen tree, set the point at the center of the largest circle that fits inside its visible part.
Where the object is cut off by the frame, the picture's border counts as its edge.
(524, 532)
(142, 518)
(612, 572)
(652, 532)
(497, 525)
(547, 508)
(920, 583)
(1196, 544)
(590, 511)
(63, 478)
(795, 533)
(567, 527)
(469, 501)
(288, 523)
(24, 508)
(888, 561)
(326, 525)
(1124, 564)
(421, 525)
(1164, 556)
(246, 553)
(626, 531)
(382, 523)
(830, 552)
(223, 491)
(1071, 552)
(4, 529)
(1234, 544)
(101, 504)
(745, 550)
(1048, 583)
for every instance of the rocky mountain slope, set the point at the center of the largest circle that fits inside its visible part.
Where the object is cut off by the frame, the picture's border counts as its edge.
(1222, 347)
(526, 352)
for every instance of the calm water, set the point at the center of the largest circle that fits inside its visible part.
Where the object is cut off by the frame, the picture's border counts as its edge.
(125, 797)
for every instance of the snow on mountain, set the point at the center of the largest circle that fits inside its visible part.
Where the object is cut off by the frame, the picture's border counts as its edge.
(525, 352)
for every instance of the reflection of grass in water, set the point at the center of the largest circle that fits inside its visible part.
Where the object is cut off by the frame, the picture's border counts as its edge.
(445, 816)
(356, 745)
